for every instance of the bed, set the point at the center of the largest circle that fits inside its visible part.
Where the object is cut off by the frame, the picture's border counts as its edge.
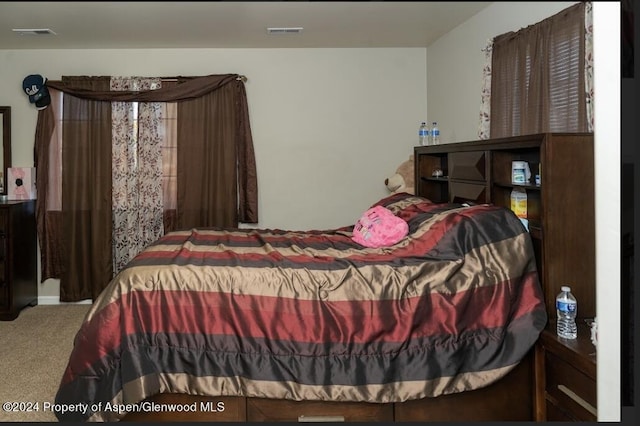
(243, 322)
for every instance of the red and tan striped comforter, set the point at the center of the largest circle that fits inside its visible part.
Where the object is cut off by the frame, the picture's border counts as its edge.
(312, 315)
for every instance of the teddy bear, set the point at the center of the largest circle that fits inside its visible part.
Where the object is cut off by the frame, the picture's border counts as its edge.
(404, 178)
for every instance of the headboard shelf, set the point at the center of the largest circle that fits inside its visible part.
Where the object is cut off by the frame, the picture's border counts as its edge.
(560, 208)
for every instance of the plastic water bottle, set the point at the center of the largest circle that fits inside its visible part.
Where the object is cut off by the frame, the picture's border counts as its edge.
(423, 134)
(435, 134)
(567, 310)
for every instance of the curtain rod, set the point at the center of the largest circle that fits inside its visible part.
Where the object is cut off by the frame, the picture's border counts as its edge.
(240, 77)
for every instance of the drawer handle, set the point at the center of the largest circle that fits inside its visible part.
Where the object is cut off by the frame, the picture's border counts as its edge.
(571, 394)
(315, 419)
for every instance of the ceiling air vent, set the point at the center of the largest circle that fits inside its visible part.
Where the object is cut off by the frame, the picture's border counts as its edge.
(284, 30)
(33, 31)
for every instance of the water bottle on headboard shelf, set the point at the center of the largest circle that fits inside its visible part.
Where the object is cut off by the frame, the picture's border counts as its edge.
(423, 134)
(435, 134)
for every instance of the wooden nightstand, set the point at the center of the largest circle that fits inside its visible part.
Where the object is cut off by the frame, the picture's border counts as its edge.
(566, 376)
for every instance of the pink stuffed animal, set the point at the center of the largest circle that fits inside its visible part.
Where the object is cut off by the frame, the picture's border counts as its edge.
(379, 227)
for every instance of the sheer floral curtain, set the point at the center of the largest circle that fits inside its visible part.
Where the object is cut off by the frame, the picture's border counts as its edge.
(588, 62)
(531, 87)
(137, 169)
(485, 97)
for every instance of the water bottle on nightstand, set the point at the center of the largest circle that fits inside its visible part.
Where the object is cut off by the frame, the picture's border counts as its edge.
(567, 310)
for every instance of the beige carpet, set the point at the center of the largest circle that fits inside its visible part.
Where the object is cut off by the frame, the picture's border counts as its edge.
(34, 349)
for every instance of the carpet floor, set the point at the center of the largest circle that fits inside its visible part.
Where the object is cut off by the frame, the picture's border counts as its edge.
(34, 350)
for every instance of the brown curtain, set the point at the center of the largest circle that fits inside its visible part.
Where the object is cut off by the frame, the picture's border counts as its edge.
(86, 192)
(208, 184)
(82, 235)
(48, 212)
(538, 80)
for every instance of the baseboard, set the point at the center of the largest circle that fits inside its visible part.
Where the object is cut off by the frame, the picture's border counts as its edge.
(55, 300)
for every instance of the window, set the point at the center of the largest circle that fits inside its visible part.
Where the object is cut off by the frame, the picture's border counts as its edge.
(110, 160)
(539, 77)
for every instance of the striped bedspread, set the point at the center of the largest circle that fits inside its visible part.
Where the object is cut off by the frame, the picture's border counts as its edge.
(312, 315)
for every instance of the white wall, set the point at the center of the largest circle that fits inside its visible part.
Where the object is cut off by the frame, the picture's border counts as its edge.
(454, 67)
(329, 125)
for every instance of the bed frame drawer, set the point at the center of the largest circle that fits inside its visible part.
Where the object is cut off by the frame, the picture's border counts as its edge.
(259, 410)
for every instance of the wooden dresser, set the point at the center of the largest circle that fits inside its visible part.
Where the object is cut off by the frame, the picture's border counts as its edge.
(18, 257)
(561, 221)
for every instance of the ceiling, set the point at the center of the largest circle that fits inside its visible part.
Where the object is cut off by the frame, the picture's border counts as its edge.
(229, 24)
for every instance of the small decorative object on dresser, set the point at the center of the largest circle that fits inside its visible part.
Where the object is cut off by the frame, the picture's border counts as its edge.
(18, 257)
(21, 183)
